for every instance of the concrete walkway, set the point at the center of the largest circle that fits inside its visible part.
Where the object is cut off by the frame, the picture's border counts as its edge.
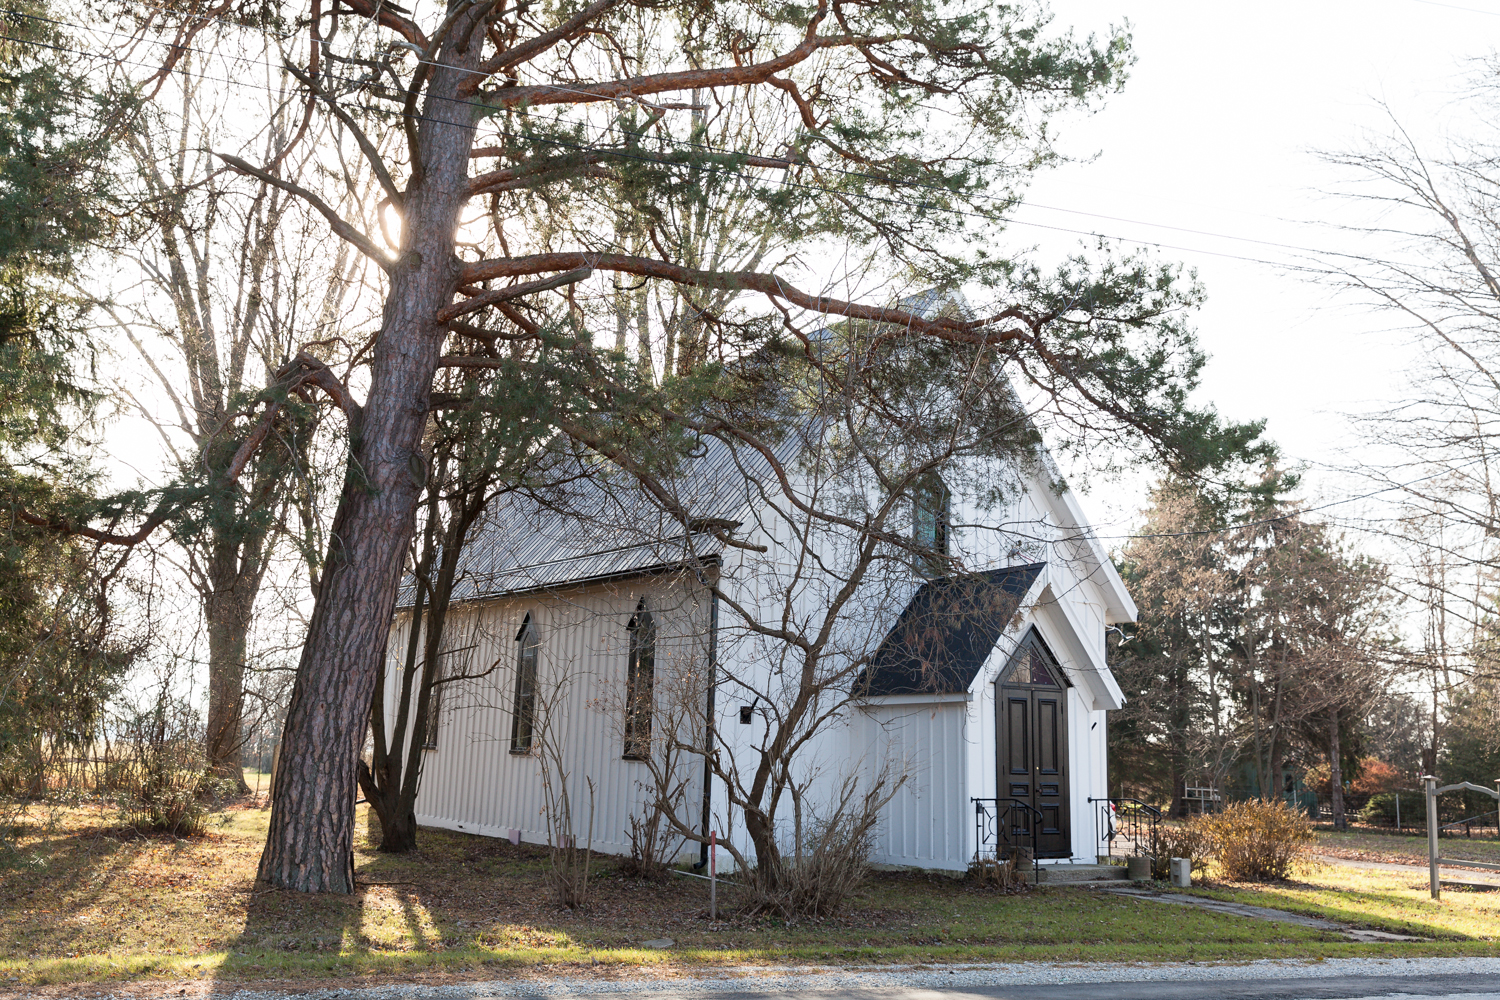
(1256, 913)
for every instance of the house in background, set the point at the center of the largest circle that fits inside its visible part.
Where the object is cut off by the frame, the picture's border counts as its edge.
(615, 630)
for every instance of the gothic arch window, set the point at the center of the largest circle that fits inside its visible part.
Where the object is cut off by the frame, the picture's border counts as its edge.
(1033, 665)
(932, 515)
(523, 711)
(640, 683)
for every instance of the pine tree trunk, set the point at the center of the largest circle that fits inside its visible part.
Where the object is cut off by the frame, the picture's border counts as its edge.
(310, 843)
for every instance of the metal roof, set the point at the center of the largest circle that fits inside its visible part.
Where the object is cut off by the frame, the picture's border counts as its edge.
(599, 523)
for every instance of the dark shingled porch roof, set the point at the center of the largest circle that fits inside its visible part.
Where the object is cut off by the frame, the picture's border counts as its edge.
(942, 639)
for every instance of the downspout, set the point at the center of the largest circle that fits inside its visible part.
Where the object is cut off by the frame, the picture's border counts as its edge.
(708, 731)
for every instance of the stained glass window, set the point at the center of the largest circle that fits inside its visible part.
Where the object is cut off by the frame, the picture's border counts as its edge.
(1030, 665)
(640, 682)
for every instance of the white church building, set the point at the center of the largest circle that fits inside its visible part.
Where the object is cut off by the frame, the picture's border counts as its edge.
(606, 632)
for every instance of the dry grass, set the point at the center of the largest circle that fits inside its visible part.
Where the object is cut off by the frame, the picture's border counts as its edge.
(1402, 849)
(80, 904)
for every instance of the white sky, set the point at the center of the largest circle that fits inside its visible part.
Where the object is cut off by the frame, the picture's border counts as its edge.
(1218, 130)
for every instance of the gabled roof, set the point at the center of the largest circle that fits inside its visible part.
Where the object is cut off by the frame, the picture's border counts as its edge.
(946, 633)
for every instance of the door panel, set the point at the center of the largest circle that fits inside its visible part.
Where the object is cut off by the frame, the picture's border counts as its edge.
(1018, 728)
(1048, 722)
(1032, 749)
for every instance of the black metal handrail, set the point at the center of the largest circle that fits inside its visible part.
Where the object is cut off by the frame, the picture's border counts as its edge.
(1002, 827)
(1129, 826)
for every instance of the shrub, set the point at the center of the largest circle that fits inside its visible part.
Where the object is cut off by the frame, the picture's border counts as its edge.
(160, 779)
(992, 872)
(1190, 840)
(1256, 841)
(652, 844)
(833, 863)
(1381, 809)
(167, 788)
(1376, 776)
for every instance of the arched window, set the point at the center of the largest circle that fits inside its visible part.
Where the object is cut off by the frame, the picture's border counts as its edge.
(523, 714)
(932, 512)
(640, 680)
(1033, 665)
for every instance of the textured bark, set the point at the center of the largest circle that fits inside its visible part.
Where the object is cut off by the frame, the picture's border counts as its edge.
(226, 610)
(310, 843)
(228, 595)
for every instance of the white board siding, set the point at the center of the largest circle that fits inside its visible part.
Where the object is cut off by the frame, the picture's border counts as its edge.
(472, 782)
(926, 823)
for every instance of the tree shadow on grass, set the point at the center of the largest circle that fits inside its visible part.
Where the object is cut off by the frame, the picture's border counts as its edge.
(83, 893)
(390, 919)
(294, 934)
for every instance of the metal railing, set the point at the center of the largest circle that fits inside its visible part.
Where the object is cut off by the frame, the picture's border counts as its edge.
(1004, 826)
(1206, 797)
(1125, 827)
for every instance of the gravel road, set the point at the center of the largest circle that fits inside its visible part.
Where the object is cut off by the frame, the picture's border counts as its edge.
(1472, 978)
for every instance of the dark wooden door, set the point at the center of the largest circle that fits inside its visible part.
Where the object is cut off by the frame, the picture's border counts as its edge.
(1033, 752)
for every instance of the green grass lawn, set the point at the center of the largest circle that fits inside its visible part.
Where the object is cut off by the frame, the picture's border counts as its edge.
(1390, 901)
(79, 903)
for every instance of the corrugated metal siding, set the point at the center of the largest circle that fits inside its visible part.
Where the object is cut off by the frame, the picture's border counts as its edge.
(924, 823)
(472, 781)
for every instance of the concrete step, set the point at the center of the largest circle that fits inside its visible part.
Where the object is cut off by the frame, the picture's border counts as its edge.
(1081, 873)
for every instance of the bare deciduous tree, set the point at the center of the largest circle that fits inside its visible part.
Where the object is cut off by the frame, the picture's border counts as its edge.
(227, 279)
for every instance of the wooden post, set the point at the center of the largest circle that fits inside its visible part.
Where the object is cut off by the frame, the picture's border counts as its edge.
(1432, 834)
(713, 876)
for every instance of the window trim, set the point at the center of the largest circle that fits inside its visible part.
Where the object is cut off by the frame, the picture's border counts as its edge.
(642, 631)
(932, 534)
(523, 703)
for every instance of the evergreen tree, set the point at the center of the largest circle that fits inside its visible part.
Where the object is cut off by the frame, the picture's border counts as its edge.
(58, 656)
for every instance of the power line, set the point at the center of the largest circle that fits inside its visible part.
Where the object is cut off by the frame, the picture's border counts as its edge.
(1289, 515)
(1454, 6)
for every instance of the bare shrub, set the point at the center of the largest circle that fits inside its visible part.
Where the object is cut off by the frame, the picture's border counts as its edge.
(161, 780)
(829, 863)
(1257, 841)
(569, 864)
(653, 843)
(1005, 875)
(1190, 840)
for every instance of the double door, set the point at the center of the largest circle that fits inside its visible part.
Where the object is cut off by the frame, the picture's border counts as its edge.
(1032, 765)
